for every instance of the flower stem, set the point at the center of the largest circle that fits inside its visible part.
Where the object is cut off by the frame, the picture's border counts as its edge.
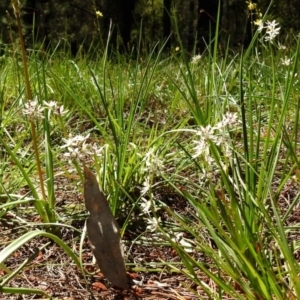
(15, 5)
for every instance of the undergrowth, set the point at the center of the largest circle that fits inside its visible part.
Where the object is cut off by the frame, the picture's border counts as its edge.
(219, 132)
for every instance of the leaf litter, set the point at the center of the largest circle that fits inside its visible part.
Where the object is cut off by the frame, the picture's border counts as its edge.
(52, 271)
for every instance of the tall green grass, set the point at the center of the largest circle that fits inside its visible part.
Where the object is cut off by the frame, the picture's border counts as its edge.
(237, 223)
(142, 117)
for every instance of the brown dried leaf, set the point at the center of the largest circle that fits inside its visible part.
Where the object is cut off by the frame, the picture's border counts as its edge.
(103, 233)
(99, 286)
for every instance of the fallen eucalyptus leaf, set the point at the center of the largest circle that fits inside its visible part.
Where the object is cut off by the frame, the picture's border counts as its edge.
(103, 233)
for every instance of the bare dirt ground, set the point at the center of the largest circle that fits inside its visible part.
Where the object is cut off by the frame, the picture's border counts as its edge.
(53, 271)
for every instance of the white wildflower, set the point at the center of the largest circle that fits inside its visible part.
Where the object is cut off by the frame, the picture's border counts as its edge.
(61, 111)
(86, 148)
(281, 46)
(200, 147)
(68, 142)
(206, 133)
(146, 186)
(229, 119)
(54, 108)
(157, 163)
(152, 162)
(271, 27)
(153, 224)
(93, 149)
(213, 134)
(195, 59)
(286, 61)
(80, 138)
(33, 110)
(145, 205)
(51, 105)
(272, 30)
(74, 153)
(221, 138)
(74, 141)
(180, 239)
(76, 146)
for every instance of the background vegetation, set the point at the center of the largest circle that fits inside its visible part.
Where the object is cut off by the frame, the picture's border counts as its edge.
(76, 22)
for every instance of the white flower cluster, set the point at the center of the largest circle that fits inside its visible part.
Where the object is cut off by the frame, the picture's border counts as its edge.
(286, 61)
(271, 29)
(35, 111)
(78, 148)
(213, 134)
(153, 224)
(196, 59)
(54, 108)
(152, 166)
(179, 238)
